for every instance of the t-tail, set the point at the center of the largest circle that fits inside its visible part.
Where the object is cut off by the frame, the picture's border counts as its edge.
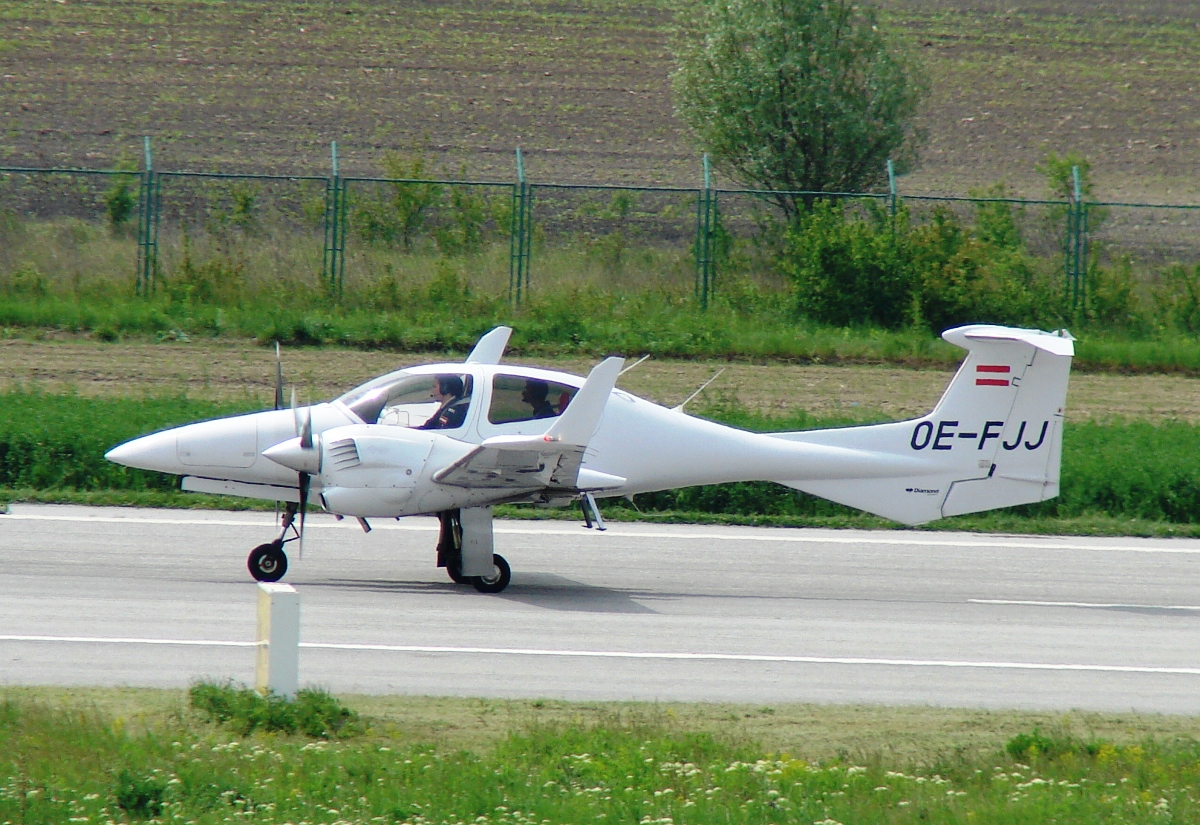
(993, 440)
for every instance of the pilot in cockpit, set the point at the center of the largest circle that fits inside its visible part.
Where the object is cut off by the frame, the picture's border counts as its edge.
(449, 392)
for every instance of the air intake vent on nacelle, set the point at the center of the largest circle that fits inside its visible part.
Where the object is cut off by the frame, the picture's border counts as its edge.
(344, 454)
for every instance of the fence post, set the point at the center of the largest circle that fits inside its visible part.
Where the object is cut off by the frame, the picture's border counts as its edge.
(706, 207)
(1081, 257)
(333, 266)
(1076, 247)
(520, 236)
(891, 170)
(147, 224)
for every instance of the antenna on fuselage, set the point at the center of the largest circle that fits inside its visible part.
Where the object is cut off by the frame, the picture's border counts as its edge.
(631, 366)
(703, 387)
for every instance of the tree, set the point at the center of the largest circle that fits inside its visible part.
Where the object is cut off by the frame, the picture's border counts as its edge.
(797, 95)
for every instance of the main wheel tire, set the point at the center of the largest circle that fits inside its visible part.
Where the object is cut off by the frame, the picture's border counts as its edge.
(454, 571)
(267, 562)
(499, 579)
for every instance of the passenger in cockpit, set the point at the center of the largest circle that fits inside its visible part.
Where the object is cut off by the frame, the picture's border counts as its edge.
(449, 392)
(534, 395)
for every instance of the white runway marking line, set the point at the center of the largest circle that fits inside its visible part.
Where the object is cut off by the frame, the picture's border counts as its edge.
(129, 641)
(615, 531)
(615, 654)
(1183, 607)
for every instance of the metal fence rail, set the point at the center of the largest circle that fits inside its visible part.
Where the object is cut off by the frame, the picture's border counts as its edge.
(604, 226)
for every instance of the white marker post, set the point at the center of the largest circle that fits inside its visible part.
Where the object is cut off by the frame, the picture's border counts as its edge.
(278, 665)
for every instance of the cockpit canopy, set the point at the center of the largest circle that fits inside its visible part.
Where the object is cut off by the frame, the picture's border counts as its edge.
(401, 399)
(408, 399)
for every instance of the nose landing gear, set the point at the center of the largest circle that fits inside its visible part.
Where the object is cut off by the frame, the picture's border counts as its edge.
(268, 562)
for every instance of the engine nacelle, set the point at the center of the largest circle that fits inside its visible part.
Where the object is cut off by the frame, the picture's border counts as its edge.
(364, 502)
(380, 470)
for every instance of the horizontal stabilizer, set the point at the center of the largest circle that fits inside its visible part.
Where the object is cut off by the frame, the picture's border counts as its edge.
(579, 421)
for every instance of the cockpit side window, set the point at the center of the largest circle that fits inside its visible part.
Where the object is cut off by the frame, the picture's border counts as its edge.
(408, 401)
(516, 398)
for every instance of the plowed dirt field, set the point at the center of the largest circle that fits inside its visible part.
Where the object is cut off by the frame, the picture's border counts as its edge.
(230, 370)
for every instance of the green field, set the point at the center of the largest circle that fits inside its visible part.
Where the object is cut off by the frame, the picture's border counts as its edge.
(147, 755)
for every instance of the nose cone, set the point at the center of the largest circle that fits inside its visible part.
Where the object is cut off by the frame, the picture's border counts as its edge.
(295, 457)
(151, 452)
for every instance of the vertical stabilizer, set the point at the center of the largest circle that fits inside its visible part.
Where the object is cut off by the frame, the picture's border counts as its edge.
(993, 440)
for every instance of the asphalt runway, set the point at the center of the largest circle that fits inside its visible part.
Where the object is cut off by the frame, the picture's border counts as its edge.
(96, 596)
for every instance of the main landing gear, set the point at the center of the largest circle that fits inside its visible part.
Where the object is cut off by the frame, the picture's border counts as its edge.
(465, 550)
(268, 562)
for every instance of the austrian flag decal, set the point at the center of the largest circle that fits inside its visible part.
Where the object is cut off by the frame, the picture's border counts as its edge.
(986, 381)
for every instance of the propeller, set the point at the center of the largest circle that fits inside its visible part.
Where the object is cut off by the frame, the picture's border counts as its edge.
(278, 379)
(303, 455)
(278, 398)
(306, 443)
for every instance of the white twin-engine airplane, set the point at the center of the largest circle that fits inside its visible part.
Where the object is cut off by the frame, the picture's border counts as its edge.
(456, 439)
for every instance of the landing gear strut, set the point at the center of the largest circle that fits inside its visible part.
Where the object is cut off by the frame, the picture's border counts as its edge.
(469, 549)
(268, 562)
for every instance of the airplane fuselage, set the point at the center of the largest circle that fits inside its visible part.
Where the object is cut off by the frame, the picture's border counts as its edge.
(650, 446)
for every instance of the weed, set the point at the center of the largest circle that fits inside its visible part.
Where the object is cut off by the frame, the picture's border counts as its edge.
(139, 796)
(119, 202)
(313, 712)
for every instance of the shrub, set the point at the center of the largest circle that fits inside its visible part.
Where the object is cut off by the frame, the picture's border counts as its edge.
(313, 712)
(140, 797)
(847, 272)
(119, 202)
(218, 279)
(1177, 298)
(888, 272)
(398, 216)
(1036, 744)
(1112, 297)
(963, 279)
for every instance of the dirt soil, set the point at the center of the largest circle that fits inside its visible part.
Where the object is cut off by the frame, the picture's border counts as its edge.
(235, 371)
(582, 86)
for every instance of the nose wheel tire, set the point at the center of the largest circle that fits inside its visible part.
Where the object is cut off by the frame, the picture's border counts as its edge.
(501, 575)
(267, 562)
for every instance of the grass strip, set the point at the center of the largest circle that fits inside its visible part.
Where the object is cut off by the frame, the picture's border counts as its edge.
(567, 322)
(612, 762)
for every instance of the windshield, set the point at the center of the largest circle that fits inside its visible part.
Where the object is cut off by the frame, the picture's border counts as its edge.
(405, 400)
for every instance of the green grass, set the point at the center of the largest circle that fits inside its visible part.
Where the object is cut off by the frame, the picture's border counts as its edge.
(616, 763)
(580, 322)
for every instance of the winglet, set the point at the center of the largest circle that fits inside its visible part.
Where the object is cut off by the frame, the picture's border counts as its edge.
(490, 348)
(578, 423)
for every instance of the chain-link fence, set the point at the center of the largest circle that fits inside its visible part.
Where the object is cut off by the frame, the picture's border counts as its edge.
(216, 235)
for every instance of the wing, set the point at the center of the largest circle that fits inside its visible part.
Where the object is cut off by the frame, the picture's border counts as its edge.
(552, 460)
